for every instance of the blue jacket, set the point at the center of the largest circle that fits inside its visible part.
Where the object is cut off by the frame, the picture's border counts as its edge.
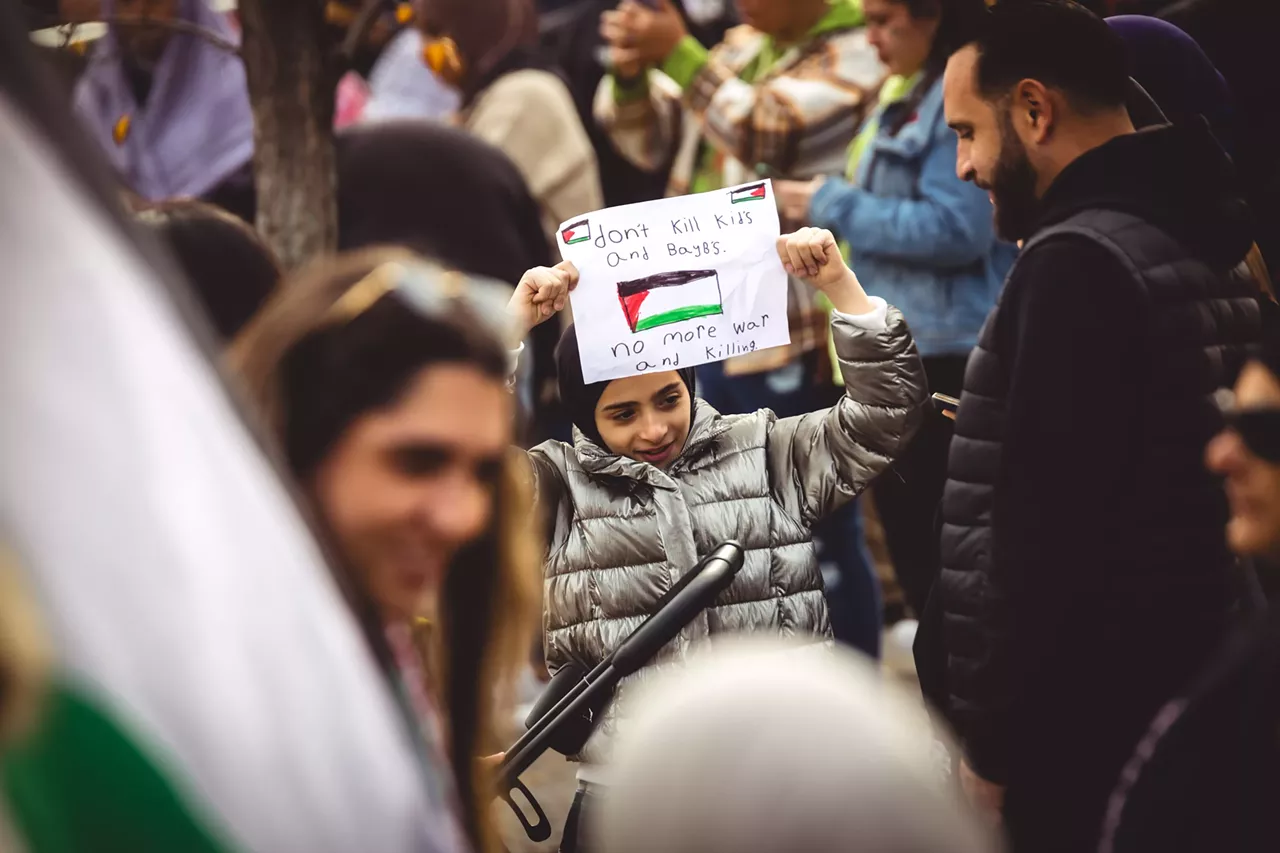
(919, 236)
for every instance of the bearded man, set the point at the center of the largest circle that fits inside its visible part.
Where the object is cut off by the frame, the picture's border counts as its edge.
(1085, 573)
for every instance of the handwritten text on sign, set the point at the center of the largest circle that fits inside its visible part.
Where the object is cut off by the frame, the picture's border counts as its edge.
(677, 282)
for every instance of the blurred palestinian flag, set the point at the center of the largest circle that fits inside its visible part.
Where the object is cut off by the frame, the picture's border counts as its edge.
(207, 687)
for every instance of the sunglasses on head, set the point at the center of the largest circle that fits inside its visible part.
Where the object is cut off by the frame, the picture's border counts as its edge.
(431, 291)
(1259, 429)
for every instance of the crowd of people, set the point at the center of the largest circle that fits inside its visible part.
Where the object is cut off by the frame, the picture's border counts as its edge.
(1060, 214)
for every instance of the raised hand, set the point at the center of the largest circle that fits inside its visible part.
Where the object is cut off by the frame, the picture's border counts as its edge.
(641, 34)
(813, 255)
(541, 294)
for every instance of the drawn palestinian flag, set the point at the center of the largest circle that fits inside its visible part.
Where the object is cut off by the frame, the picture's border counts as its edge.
(576, 232)
(669, 297)
(755, 192)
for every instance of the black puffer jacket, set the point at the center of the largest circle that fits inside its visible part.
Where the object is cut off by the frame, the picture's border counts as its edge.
(1085, 576)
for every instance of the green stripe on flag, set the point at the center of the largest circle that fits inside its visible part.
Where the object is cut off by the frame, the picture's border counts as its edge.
(675, 315)
(79, 784)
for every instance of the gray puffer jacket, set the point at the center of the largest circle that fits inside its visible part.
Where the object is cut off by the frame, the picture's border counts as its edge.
(623, 532)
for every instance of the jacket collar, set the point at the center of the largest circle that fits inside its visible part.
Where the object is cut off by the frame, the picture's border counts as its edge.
(1177, 178)
(918, 132)
(598, 461)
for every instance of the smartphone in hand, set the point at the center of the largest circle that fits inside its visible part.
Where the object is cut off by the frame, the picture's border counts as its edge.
(947, 405)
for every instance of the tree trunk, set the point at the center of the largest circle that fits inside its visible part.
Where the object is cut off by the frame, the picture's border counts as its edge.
(291, 67)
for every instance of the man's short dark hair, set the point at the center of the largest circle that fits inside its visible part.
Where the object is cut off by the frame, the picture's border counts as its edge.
(1057, 42)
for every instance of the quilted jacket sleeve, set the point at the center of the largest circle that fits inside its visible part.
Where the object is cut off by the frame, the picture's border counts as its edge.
(546, 468)
(820, 461)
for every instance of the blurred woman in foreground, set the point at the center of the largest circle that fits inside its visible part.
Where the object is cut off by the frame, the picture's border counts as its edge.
(384, 379)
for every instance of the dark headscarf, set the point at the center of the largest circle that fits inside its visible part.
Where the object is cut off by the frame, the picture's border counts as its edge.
(442, 193)
(495, 38)
(580, 399)
(231, 268)
(1176, 73)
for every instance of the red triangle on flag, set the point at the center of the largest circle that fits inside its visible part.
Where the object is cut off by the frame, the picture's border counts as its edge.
(631, 307)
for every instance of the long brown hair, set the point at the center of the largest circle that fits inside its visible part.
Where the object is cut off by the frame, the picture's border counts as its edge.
(310, 378)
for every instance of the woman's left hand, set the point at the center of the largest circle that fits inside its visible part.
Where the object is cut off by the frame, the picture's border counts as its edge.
(648, 33)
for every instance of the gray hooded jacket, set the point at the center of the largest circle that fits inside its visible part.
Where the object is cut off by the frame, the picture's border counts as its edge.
(623, 531)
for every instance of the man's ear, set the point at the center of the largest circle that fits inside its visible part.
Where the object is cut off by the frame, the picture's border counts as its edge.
(1034, 111)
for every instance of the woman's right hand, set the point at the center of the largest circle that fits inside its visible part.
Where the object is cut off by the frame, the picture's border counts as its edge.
(541, 294)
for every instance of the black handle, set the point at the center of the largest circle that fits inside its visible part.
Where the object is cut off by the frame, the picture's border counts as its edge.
(539, 831)
(714, 574)
(696, 591)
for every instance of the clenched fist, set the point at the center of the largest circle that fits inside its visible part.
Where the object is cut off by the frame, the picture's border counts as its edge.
(812, 254)
(542, 293)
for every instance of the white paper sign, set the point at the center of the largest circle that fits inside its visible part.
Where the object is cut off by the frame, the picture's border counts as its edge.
(677, 282)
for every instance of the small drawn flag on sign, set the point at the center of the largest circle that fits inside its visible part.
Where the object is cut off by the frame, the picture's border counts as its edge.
(576, 232)
(755, 192)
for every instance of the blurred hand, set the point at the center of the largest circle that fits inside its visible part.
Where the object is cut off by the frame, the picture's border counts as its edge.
(541, 293)
(794, 197)
(491, 763)
(813, 255)
(625, 63)
(986, 797)
(651, 32)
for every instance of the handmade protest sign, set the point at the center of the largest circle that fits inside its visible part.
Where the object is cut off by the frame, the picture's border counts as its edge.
(677, 282)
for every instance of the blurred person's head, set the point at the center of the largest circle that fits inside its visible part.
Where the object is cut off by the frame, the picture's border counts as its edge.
(144, 37)
(383, 378)
(468, 42)
(645, 417)
(915, 35)
(786, 20)
(232, 270)
(1044, 82)
(1176, 73)
(390, 171)
(1247, 455)
(758, 747)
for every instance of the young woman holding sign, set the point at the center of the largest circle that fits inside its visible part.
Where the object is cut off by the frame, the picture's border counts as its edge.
(657, 477)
